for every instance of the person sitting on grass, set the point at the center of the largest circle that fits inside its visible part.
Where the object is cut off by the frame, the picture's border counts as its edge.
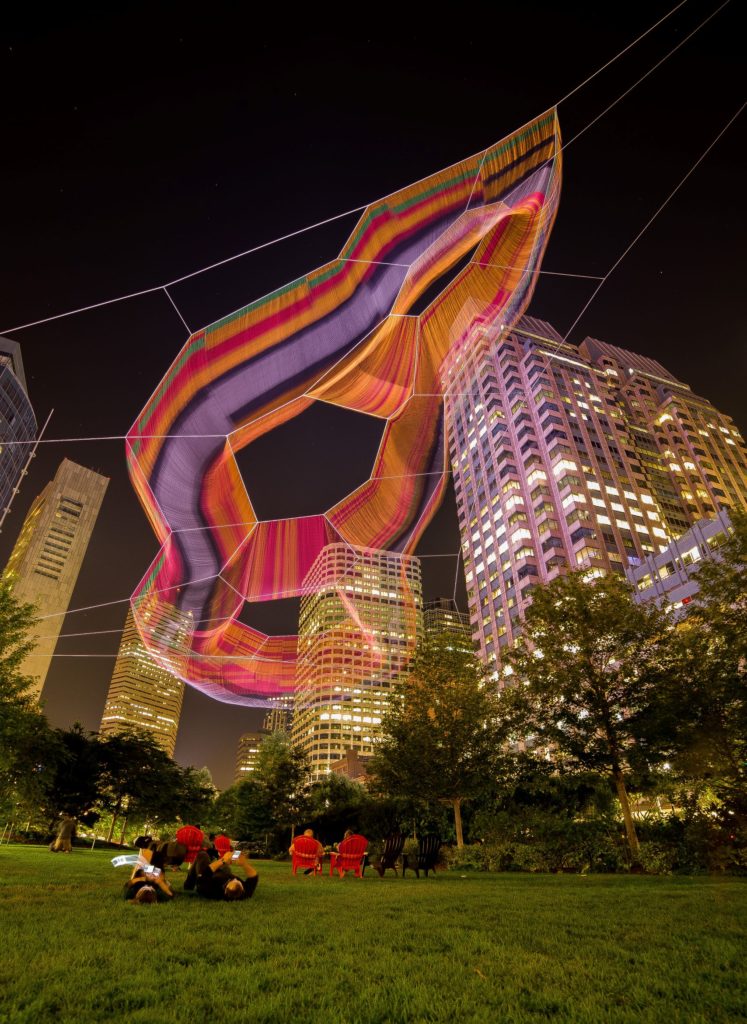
(147, 883)
(214, 880)
(309, 834)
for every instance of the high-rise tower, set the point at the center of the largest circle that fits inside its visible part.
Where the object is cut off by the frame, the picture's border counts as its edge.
(143, 693)
(277, 719)
(442, 618)
(359, 624)
(574, 456)
(44, 564)
(17, 420)
(247, 755)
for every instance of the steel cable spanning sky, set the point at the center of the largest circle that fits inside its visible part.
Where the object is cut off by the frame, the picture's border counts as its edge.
(351, 333)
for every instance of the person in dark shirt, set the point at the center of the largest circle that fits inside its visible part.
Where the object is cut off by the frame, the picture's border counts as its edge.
(214, 880)
(144, 886)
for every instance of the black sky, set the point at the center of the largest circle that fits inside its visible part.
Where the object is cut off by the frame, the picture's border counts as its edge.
(142, 145)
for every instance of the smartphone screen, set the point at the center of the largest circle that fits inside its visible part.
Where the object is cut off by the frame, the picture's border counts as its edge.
(153, 872)
(236, 854)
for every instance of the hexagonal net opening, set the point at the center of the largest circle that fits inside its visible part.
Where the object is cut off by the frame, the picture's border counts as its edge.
(276, 618)
(308, 465)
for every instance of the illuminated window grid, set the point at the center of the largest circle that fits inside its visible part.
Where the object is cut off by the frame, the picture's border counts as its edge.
(556, 468)
(142, 693)
(344, 678)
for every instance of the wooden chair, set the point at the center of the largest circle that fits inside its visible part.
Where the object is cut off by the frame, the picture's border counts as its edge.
(192, 838)
(307, 853)
(349, 857)
(426, 859)
(394, 844)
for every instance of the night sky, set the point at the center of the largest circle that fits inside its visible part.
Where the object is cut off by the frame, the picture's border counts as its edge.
(139, 147)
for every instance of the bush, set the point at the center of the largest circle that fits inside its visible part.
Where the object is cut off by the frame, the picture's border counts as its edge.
(696, 842)
(538, 841)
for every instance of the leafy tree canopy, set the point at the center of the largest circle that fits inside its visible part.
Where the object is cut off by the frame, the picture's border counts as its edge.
(23, 728)
(588, 671)
(707, 698)
(442, 732)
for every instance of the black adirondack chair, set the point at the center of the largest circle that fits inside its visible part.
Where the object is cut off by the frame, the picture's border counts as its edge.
(426, 858)
(393, 846)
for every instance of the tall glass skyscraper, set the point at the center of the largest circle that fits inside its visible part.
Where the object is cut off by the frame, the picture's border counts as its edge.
(17, 420)
(143, 693)
(574, 456)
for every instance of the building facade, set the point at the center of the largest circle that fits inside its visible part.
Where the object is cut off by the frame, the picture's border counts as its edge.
(277, 719)
(443, 618)
(17, 421)
(247, 754)
(671, 577)
(142, 694)
(359, 623)
(44, 564)
(570, 456)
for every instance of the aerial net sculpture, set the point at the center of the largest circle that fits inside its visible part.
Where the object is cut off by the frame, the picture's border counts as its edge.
(467, 241)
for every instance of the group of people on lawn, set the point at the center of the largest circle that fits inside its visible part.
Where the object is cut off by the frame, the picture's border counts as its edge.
(210, 873)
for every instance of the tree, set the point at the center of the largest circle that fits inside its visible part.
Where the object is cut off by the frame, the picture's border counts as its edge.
(708, 701)
(282, 773)
(72, 773)
(442, 734)
(139, 779)
(589, 669)
(24, 730)
(335, 804)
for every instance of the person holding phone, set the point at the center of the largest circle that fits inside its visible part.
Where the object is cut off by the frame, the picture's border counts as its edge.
(214, 880)
(147, 883)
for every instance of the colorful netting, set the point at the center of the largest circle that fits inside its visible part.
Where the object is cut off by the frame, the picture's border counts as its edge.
(346, 334)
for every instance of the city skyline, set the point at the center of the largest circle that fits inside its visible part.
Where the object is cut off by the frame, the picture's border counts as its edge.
(160, 213)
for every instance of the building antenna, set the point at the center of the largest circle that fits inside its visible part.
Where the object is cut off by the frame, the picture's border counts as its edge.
(24, 471)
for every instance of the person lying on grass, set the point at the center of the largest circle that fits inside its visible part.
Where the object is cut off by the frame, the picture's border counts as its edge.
(216, 881)
(147, 883)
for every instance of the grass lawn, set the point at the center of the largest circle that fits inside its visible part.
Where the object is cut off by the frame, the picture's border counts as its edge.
(508, 948)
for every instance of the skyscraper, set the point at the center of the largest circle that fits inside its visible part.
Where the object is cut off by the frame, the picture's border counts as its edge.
(359, 624)
(277, 719)
(574, 456)
(44, 564)
(246, 755)
(142, 693)
(443, 618)
(17, 420)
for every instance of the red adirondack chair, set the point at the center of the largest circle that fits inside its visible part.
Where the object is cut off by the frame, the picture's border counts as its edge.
(349, 856)
(307, 853)
(192, 838)
(222, 844)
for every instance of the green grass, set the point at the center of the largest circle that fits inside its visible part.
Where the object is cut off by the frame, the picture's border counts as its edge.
(482, 948)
